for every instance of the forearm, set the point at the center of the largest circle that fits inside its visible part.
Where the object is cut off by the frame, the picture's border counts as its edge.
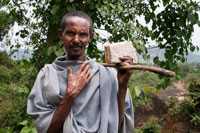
(121, 102)
(61, 114)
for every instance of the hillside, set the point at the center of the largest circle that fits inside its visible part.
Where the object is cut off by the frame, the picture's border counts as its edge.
(192, 56)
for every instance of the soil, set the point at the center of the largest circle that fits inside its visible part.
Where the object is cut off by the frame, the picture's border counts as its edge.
(157, 109)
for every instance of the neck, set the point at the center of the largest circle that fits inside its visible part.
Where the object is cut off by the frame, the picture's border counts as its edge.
(81, 58)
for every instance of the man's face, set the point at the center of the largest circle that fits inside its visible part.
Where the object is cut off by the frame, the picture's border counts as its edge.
(76, 37)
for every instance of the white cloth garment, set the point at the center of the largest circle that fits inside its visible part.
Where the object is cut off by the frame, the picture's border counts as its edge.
(95, 109)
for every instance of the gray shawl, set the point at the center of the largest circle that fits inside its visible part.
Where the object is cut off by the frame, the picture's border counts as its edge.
(95, 109)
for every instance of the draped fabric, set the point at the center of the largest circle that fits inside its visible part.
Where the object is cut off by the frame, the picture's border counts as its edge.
(95, 109)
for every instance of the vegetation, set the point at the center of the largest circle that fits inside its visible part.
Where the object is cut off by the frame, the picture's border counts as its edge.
(171, 28)
(151, 126)
(6, 22)
(16, 79)
(189, 108)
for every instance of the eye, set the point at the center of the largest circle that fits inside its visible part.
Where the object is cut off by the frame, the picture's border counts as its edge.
(83, 34)
(70, 33)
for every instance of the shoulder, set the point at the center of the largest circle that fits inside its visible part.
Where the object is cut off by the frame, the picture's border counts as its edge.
(47, 67)
(46, 70)
(109, 70)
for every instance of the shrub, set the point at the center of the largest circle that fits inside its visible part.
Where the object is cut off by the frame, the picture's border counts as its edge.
(151, 126)
(189, 108)
(171, 102)
(16, 81)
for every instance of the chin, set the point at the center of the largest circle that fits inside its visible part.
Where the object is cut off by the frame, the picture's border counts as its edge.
(74, 56)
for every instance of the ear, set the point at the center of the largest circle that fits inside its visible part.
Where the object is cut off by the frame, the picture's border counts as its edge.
(60, 34)
(91, 36)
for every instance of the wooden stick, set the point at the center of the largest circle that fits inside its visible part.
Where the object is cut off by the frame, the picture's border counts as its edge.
(153, 69)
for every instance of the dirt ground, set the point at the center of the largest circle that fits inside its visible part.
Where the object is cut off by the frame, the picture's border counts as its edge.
(158, 109)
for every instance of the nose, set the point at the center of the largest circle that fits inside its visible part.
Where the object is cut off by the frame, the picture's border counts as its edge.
(76, 39)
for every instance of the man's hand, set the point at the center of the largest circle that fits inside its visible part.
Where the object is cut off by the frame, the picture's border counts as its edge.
(77, 82)
(124, 75)
(123, 78)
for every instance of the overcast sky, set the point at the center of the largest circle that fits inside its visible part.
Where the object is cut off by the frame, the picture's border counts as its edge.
(196, 36)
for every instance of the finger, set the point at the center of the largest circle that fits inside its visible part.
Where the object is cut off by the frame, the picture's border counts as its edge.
(125, 58)
(89, 78)
(87, 73)
(82, 67)
(87, 68)
(69, 71)
(127, 62)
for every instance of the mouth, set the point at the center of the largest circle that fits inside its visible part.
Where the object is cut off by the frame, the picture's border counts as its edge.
(75, 46)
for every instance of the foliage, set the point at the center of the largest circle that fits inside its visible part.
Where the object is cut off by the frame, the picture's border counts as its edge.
(140, 96)
(47, 13)
(190, 107)
(171, 28)
(6, 22)
(187, 69)
(171, 102)
(144, 79)
(14, 90)
(7, 67)
(151, 126)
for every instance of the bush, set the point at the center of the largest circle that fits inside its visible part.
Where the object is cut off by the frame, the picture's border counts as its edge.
(151, 126)
(16, 81)
(171, 102)
(189, 108)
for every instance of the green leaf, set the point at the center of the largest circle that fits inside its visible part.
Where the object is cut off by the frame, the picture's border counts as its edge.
(165, 2)
(145, 89)
(60, 52)
(197, 48)
(22, 35)
(49, 50)
(54, 9)
(23, 122)
(146, 57)
(147, 19)
(131, 92)
(155, 35)
(47, 1)
(26, 130)
(137, 91)
(33, 130)
(155, 60)
(165, 83)
(192, 48)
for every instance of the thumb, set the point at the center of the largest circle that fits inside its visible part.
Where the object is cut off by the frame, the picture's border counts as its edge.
(69, 71)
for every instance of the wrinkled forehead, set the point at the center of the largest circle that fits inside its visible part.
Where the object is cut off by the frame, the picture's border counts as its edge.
(75, 20)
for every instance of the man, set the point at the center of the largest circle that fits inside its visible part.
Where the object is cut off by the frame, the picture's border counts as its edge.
(76, 94)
